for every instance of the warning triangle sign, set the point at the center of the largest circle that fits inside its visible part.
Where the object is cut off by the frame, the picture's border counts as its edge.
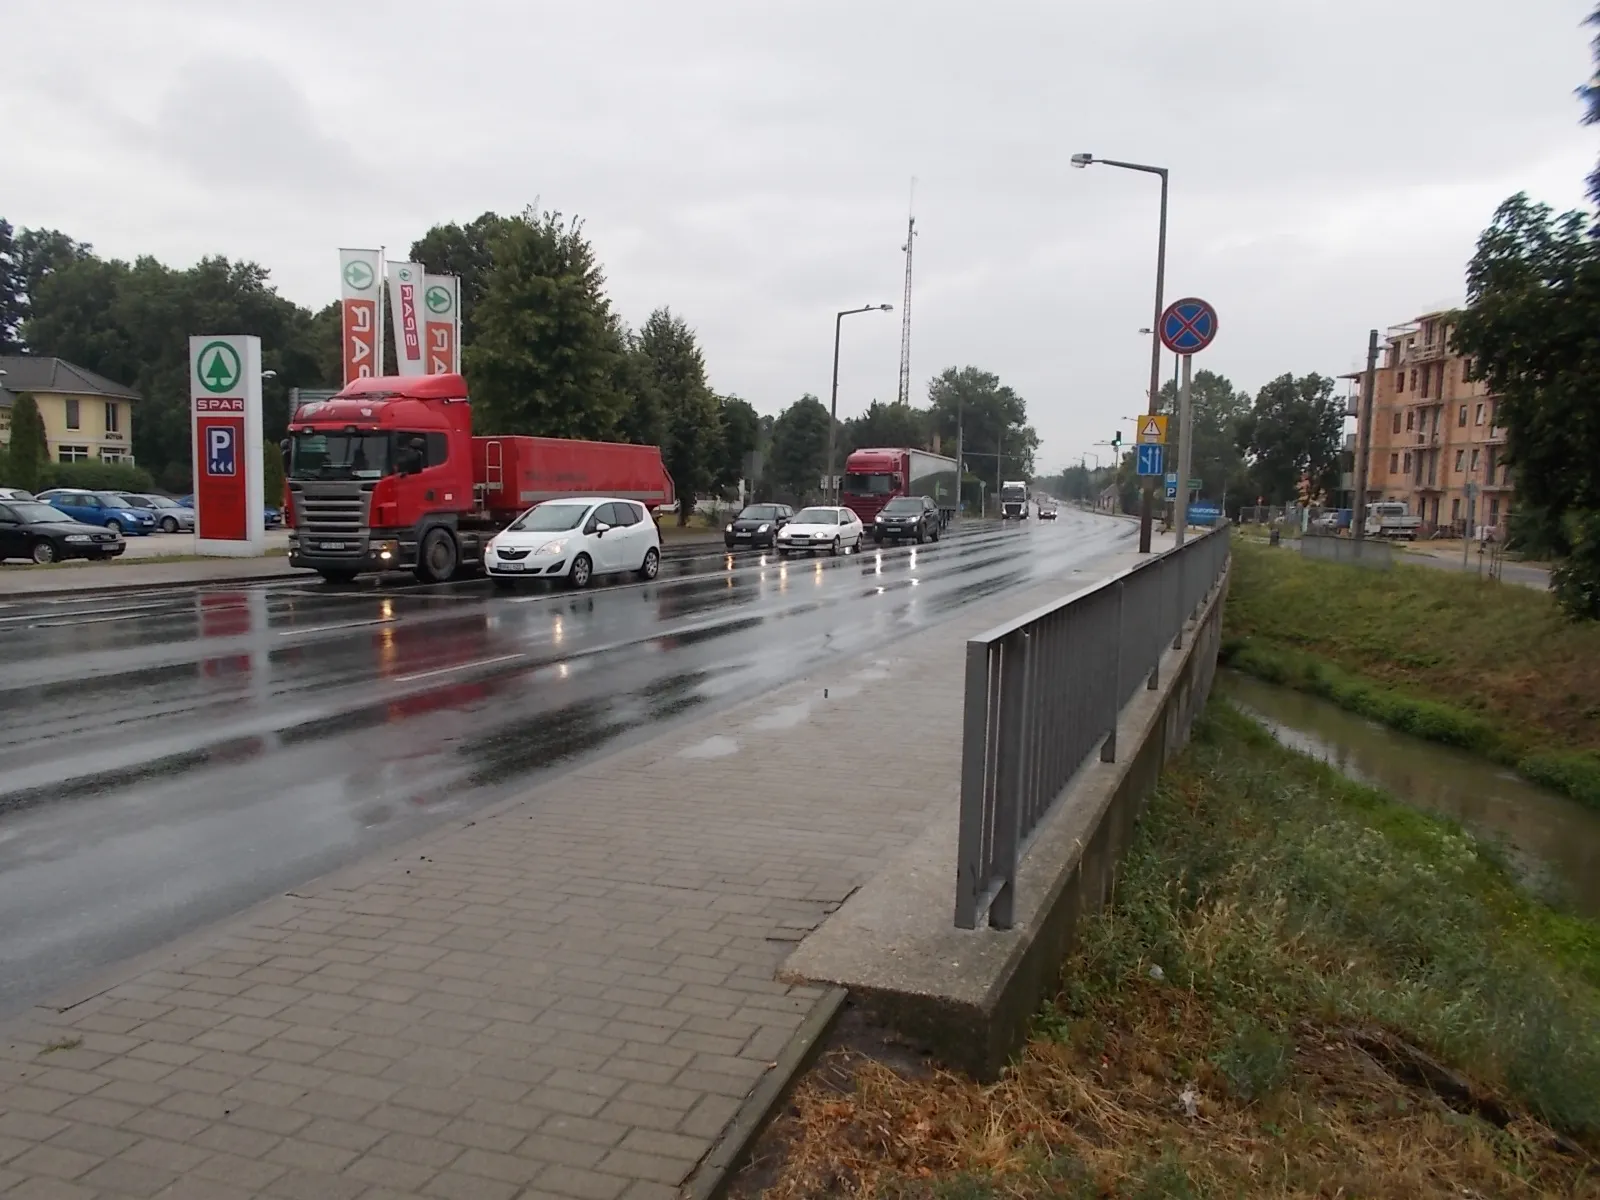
(1153, 430)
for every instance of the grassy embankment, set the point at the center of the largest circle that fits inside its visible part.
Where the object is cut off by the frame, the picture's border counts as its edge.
(1301, 988)
(1491, 668)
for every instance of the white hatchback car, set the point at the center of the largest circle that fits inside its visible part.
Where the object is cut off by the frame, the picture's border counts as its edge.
(575, 539)
(821, 528)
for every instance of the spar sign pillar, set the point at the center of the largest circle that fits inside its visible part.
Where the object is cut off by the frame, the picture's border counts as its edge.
(225, 419)
(1187, 327)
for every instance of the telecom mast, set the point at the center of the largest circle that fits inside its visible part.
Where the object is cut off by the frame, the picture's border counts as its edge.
(904, 396)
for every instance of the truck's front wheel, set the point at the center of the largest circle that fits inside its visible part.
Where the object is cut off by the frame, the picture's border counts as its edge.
(437, 557)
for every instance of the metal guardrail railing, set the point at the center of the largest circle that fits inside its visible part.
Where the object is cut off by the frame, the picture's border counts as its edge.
(1043, 693)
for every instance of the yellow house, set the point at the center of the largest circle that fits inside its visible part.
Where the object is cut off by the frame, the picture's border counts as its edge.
(86, 416)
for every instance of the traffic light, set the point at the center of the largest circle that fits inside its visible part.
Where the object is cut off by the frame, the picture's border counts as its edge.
(1116, 440)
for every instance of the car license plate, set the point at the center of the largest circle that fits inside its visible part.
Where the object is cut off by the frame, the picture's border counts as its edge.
(511, 566)
(741, 533)
(333, 546)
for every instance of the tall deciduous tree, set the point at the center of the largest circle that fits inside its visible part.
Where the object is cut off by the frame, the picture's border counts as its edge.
(692, 418)
(1533, 295)
(1293, 431)
(893, 425)
(996, 437)
(798, 456)
(13, 299)
(465, 251)
(1590, 93)
(29, 452)
(741, 437)
(544, 359)
(1217, 409)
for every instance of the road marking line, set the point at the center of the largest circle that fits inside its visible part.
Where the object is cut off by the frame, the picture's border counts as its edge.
(486, 662)
(340, 625)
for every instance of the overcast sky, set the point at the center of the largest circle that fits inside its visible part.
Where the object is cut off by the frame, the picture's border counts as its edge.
(748, 162)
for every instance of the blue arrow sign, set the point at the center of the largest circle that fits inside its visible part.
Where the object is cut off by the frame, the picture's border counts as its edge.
(1150, 459)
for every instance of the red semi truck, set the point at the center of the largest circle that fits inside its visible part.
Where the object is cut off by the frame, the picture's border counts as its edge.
(387, 476)
(872, 478)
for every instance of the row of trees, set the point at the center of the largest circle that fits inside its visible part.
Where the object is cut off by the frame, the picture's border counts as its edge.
(1246, 450)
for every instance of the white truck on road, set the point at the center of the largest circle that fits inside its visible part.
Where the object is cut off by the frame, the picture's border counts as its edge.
(1390, 519)
(1014, 500)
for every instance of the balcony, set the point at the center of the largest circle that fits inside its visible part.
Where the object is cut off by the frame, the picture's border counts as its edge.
(1349, 441)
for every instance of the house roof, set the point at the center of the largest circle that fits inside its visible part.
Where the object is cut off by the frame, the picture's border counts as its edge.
(24, 373)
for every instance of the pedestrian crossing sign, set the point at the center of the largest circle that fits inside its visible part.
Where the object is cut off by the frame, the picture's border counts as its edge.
(1153, 429)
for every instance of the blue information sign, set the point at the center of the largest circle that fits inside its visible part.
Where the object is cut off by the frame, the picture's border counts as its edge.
(1204, 514)
(1188, 325)
(1172, 488)
(1149, 462)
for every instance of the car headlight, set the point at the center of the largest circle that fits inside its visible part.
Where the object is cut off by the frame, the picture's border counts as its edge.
(729, 529)
(555, 547)
(78, 537)
(763, 528)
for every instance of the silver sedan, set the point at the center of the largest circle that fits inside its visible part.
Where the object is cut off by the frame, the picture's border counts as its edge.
(171, 517)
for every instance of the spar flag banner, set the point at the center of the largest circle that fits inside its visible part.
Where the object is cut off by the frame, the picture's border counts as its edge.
(441, 323)
(405, 302)
(361, 299)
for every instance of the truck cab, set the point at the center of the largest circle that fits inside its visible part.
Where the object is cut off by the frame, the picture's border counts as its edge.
(1014, 500)
(380, 478)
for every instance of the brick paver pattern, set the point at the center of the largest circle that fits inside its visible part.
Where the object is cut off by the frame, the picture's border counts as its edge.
(566, 997)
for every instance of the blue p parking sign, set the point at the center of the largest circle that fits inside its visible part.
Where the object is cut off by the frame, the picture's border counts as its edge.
(220, 456)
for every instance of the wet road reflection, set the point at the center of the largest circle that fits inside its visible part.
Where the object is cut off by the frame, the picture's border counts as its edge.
(173, 759)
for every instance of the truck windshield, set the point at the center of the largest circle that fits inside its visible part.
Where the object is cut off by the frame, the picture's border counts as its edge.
(870, 485)
(549, 518)
(1013, 493)
(339, 456)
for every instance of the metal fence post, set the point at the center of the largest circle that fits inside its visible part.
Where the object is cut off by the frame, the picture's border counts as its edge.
(1179, 560)
(1156, 640)
(971, 867)
(1108, 748)
(1009, 781)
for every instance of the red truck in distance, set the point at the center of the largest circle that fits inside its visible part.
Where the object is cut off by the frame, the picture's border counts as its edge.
(387, 475)
(872, 478)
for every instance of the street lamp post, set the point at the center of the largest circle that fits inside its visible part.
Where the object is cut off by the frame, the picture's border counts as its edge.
(1084, 160)
(833, 404)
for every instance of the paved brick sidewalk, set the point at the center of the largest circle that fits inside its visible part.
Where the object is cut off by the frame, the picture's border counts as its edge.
(568, 997)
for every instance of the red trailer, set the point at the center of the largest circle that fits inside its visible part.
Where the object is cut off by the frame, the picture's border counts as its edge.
(872, 478)
(387, 476)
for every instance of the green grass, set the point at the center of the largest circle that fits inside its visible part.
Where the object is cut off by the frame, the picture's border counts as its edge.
(1278, 891)
(1491, 669)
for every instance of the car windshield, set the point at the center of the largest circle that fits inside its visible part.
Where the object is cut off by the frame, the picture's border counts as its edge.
(817, 516)
(549, 518)
(107, 500)
(904, 504)
(858, 484)
(31, 512)
(339, 456)
(130, 501)
(759, 512)
(161, 502)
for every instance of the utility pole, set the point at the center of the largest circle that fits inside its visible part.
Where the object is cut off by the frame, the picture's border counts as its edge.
(904, 396)
(1181, 517)
(1369, 384)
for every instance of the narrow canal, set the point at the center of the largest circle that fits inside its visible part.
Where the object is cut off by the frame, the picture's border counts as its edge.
(1552, 842)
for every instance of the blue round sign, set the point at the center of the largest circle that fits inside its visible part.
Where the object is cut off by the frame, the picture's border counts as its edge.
(1188, 325)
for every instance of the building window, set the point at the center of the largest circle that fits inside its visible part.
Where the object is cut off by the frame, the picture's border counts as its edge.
(1461, 418)
(1399, 381)
(1411, 419)
(1427, 378)
(73, 453)
(1455, 510)
(1408, 460)
(1397, 422)
(112, 425)
(1394, 464)
(1477, 417)
(72, 414)
(1413, 379)
(111, 454)
(1475, 461)
(1466, 371)
(1461, 459)
(1494, 510)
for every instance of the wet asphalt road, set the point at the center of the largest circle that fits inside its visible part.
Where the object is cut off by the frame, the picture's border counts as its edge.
(172, 757)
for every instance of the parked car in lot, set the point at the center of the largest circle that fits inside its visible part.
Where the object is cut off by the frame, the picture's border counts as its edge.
(756, 526)
(43, 533)
(271, 517)
(171, 517)
(822, 527)
(907, 518)
(575, 539)
(16, 494)
(106, 509)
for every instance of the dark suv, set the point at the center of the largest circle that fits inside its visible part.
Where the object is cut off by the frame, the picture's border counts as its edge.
(757, 526)
(907, 518)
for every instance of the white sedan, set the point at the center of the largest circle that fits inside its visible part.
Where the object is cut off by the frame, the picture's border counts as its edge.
(575, 540)
(822, 528)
